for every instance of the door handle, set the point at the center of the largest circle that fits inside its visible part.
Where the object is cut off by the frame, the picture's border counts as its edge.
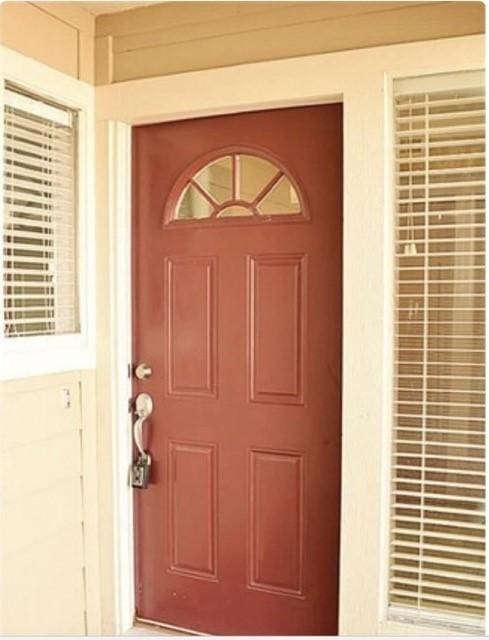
(143, 408)
(143, 371)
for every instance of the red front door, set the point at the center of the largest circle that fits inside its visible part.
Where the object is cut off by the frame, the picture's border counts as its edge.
(237, 309)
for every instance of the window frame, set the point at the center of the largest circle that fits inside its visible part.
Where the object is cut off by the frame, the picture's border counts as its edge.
(395, 620)
(39, 355)
(190, 172)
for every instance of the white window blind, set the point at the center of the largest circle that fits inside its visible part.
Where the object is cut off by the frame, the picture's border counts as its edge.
(39, 228)
(437, 552)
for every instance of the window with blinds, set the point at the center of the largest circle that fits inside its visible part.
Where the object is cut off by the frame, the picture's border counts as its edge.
(39, 225)
(437, 552)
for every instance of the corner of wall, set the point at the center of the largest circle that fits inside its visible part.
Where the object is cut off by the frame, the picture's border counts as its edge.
(56, 33)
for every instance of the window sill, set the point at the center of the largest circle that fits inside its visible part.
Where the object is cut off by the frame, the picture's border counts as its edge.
(26, 357)
(399, 628)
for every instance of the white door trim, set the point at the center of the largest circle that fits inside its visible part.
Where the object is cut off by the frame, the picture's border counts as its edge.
(362, 81)
(113, 152)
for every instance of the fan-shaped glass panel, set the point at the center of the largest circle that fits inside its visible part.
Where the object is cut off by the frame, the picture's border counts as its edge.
(281, 199)
(217, 179)
(254, 175)
(235, 211)
(193, 205)
(238, 185)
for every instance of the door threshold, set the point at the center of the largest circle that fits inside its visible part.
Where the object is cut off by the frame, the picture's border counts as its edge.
(152, 627)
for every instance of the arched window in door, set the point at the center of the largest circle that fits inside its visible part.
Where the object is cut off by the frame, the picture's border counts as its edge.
(235, 185)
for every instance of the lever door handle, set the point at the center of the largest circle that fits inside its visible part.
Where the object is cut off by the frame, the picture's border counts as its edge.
(140, 470)
(143, 408)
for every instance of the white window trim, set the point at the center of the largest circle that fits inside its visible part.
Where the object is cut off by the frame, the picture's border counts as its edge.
(39, 355)
(401, 618)
(362, 80)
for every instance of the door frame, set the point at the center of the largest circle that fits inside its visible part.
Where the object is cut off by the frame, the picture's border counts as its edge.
(362, 81)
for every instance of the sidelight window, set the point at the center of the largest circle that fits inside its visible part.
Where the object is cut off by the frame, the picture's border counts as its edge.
(437, 550)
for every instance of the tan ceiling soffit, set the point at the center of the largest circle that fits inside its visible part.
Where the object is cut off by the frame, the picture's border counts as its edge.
(102, 8)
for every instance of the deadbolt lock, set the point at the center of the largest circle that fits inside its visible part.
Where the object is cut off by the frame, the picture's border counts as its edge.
(143, 371)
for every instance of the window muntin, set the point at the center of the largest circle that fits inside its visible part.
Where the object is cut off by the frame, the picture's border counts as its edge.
(216, 179)
(39, 228)
(237, 185)
(437, 550)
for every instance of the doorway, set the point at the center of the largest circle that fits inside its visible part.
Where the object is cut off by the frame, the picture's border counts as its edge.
(237, 311)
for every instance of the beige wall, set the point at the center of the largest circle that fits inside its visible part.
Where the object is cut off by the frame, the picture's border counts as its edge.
(49, 567)
(55, 33)
(48, 554)
(43, 521)
(175, 37)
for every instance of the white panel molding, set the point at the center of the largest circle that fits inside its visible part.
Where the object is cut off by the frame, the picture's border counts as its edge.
(91, 515)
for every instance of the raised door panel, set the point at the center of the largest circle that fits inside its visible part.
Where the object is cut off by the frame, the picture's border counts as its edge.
(276, 522)
(276, 328)
(193, 510)
(191, 331)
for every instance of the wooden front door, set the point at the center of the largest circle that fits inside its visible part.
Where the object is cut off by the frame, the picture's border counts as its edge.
(237, 309)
